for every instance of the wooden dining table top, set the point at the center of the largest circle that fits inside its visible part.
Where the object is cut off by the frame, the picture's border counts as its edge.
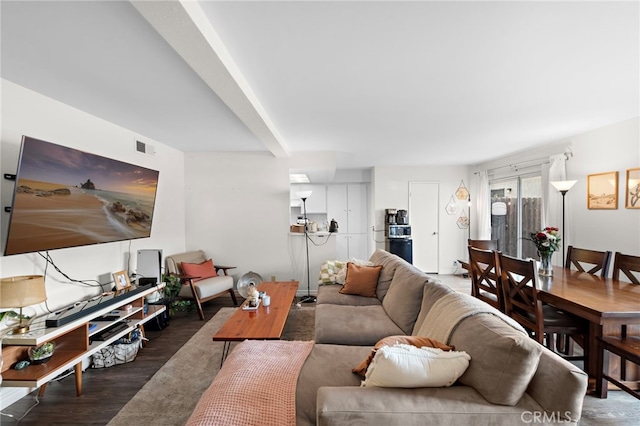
(591, 296)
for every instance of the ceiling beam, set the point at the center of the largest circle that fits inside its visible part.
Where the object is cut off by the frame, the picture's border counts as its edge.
(184, 25)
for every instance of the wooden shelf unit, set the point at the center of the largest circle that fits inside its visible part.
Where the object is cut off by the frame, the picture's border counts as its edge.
(72, 342)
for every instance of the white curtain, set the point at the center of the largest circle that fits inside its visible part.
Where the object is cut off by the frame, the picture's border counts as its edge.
(483, 206)
(552, 199)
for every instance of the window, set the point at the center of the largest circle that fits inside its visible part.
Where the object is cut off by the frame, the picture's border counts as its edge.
(516, 212)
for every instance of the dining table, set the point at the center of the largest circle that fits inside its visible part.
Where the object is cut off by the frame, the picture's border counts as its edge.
(606, 303)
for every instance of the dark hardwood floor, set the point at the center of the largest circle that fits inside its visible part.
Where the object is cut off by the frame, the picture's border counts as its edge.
(107, 390)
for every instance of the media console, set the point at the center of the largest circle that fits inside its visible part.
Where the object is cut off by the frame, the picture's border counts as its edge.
(73, 337)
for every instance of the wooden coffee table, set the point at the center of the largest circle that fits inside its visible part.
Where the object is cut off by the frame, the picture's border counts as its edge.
(265, 323)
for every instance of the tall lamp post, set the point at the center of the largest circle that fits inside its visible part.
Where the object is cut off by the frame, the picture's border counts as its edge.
(303, 195)
(563, 186)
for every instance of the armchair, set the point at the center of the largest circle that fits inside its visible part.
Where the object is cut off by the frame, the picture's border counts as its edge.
(198, 288)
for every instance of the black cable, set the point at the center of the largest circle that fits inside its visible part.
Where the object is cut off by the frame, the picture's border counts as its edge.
(319, 245)
(50, 261)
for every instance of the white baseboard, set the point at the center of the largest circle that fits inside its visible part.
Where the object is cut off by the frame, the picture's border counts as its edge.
(10, 395)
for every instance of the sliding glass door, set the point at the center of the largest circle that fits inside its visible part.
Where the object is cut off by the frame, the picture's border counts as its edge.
(516, 212)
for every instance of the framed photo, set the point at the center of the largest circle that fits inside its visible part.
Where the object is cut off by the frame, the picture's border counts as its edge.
(121, 278)
(602, 191)
(632, 198)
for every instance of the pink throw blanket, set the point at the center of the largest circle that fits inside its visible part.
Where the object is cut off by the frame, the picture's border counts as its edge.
(256, 385)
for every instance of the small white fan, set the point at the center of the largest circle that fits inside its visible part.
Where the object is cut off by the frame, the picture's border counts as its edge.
(246, 280)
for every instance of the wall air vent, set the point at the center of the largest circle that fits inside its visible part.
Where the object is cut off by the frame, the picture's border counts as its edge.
(144, 148)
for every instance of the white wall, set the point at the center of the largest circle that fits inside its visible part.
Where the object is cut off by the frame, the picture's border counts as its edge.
(237, 211)
(25, 112)
(611, 148)
(391, 190)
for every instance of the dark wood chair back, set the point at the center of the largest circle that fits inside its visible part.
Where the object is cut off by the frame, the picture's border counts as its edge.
(520, 294)
(484, 268)
(627, 264)
(582, 259)
(483, 244)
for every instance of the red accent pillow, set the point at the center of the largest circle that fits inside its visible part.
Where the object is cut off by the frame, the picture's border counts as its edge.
(201, 270)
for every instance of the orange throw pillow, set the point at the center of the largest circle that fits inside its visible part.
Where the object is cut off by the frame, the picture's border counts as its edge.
(417, 341)
(201, 270)
(361, 280)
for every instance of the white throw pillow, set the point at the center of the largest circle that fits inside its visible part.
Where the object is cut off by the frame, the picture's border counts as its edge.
(406, 366)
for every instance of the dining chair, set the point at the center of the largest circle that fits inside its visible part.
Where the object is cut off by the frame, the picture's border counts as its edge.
(484, 268)
(544, 321)
(629, 266)
(589, 261)
(483, 244)
(628, 349)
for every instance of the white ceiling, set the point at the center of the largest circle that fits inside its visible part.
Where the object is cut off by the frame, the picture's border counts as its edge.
(378, 83)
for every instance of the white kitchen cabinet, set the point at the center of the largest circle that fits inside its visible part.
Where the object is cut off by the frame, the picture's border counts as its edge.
(347, 204)
(317, 201)
(352, 246)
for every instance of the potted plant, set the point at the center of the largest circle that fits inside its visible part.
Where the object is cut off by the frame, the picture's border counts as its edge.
(171, 291)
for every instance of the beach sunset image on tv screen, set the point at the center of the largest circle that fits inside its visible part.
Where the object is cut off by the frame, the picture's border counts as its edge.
(65, 197)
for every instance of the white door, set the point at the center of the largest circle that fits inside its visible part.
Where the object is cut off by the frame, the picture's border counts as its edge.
(423, 218)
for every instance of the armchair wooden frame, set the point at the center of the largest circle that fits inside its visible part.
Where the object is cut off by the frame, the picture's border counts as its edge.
(211, 291)
(189, 279)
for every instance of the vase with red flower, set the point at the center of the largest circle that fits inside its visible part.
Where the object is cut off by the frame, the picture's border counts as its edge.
(547, 241)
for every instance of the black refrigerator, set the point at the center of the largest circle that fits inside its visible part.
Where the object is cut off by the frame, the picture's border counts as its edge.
(402, 247)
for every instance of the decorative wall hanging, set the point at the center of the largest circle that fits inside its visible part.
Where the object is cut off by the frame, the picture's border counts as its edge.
(602, 191)
(463, 221)
(632, 198)
(451, 207)
(462, 193)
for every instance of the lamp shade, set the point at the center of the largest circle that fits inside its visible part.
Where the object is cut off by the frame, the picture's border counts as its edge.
(20, 291)
(303, 195)
(563, 185)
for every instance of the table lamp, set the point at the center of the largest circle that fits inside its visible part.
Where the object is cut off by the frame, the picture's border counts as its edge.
(21, 291)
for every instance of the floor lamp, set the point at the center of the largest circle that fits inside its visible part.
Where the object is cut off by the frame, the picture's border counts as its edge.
(563, 186)
(303, 195)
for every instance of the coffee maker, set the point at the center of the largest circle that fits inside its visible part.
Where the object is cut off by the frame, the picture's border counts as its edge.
(391, 216)
(402, 218)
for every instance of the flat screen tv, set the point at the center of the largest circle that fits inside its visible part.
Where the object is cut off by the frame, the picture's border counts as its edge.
(65, 197)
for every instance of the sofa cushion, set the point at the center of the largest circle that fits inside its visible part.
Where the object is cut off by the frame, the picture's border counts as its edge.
(504, 360)
(361, 280)
(208, 287)
(202, 270)
(353, 325)
(326, 365)
(390, 263)
(407, 366)
(331, 294)
(416, 341)
(402, 301)
(433, 291)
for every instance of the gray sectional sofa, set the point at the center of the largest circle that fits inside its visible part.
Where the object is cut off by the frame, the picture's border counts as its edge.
(511, 379)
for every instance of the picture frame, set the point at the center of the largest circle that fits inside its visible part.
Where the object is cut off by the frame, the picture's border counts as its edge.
(121, 279)
(602, 191)
(632, 190)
